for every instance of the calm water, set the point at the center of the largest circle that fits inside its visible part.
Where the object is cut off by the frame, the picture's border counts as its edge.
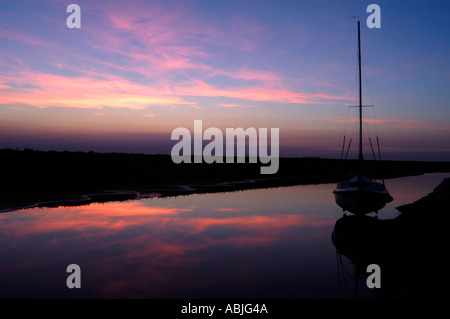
(270, 243)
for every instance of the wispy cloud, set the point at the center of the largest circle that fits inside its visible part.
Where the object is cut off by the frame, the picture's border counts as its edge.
(18, 36)
(134, 58)
(233, 105)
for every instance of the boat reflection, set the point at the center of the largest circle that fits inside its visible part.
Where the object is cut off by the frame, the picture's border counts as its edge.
(412, 249)
(357, 238)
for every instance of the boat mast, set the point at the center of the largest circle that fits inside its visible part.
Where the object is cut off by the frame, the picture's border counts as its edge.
(360, 157)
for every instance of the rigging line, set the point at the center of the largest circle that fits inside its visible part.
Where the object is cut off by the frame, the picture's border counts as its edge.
(356, 127)
(346, 120)
(379, 152)
(339, 270)
(354, 97)
(349, 275)
(348, 149)
(371, 146)
(371, 101)
(343, 147)
(351, 97)
(342, 269)
(367, 85)
(352, 135)
(366, 127)
(345, 133)
(379, 155)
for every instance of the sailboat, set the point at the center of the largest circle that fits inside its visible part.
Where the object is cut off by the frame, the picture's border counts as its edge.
(359, 194)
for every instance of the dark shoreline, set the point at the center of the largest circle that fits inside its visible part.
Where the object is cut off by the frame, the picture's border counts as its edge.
(50, 179)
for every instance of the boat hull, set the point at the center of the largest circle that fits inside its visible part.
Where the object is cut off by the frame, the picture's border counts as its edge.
(361, 202)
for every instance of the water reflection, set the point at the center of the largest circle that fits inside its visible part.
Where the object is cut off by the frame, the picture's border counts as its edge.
(216, 245)
(361, 239)
(266, 243)
(412, 249)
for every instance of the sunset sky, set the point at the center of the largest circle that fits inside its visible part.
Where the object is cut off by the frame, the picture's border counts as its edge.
(136, 70)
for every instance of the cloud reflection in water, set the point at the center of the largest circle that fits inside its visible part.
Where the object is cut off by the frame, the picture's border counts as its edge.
(192, 246)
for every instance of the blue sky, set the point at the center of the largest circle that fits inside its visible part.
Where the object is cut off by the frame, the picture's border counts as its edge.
(136, 70)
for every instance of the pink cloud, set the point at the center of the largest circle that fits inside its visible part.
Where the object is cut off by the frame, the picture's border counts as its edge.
(60, 91)
(256, 93)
